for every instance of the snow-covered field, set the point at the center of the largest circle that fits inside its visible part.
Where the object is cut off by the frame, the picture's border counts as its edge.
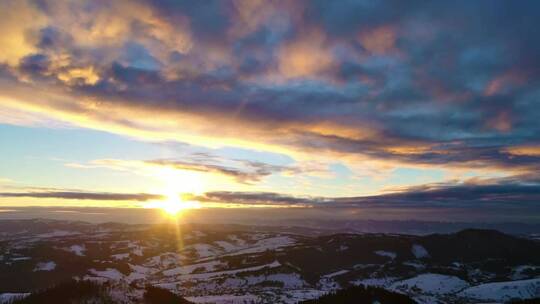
(431, 284)
(272, 243)
(109, 273)
(504, 291)
(237, 267)
(209, 275)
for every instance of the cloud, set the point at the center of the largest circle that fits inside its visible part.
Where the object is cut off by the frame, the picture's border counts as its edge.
(461, 195)
(424, 84)
(488, 199)
(524, 150)
(380, 40)
(5, 180)
(492, 195)
(18, 21)
(240, 170)
(487, 194)
(250, 172)
(83, 195)
(306, 56)
(258, 198)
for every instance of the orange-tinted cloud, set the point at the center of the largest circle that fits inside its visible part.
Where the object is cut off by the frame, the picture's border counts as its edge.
(380, 40)
(504, 82)
(501, 122)
(524, 150)
(307, 56)
(19, 19)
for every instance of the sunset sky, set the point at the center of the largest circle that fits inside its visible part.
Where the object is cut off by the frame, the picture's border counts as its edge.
(415, 105)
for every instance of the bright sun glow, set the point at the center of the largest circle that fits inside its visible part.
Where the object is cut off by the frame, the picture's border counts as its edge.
(177, 183)
(173, 204)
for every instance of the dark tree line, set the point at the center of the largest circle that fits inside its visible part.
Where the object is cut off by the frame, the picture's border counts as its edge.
(87, 292)
(362, 295)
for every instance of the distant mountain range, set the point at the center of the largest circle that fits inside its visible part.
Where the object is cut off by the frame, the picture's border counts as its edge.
(120, 263)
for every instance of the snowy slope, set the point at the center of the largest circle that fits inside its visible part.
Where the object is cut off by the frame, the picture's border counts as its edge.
(419, 251)
(504, 291)
(431, 283)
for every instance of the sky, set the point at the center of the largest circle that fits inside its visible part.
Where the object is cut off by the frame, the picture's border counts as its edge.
(357, 105)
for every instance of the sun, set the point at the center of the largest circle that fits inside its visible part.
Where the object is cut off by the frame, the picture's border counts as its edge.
(173, 204)
(178, 185)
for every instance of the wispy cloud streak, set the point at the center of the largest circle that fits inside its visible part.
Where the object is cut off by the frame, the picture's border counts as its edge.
(82, 195)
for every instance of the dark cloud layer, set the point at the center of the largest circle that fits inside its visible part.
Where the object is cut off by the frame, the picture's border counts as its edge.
(81, 195)
(495, 195)
(260, 198)
(498, 199)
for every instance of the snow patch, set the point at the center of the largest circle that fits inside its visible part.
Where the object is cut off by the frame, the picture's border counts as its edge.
(136, 249)
(206, 276)
(431, 283)
(203, 250)
(289, 280)
(416, 265)
(139, 273)
(20, 259)
(263, 245)
(377, 282)
(335, 274)
(57, 233)
(419, 251)
(227, 246)
(225, 299)
(188, 269)
(109, 273)
(519, 272)
(165, 260)
(120, 256)
(237, 240)
(388, 254)
(9, 297)
(504, 291)
(45, 266)
(77, 249)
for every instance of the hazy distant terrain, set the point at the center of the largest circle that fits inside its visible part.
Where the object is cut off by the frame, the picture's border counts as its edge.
(302, 221)
(248, 264)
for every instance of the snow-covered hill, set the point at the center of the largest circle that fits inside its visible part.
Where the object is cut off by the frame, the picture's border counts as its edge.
(504, 291)
(235, 264)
